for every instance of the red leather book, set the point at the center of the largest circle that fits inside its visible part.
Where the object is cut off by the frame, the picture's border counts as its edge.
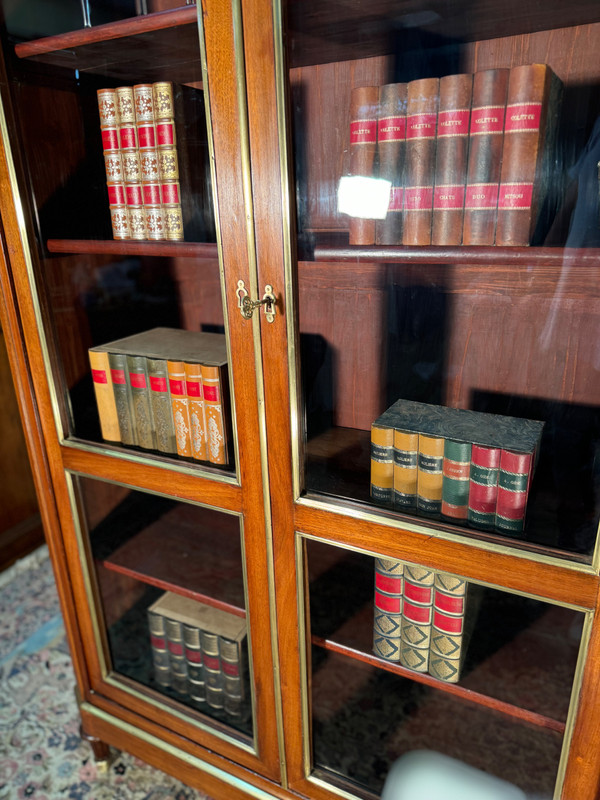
(364, 104)
(387, 616)
(483, 487)
(164, 118)
(514, 479)
(529, 135)
(128, 143)
(451, 159)
(391, 149)
(486, 138)
(149, 164)
(417, 613)
(421, 126)
(109, 126)
(449, 635)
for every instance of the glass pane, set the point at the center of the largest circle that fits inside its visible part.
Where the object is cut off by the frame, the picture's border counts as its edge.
(445, 296)
(115, 142)
(417, 661)
(173, 605)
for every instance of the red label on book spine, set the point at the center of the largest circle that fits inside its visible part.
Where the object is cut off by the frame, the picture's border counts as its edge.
(118, 376)
(396, 198)
(137, 380)
(134, 194)
(176, 648)
(128, 137)
(177, 387)
(232, 670)
(193, 656)
(487, 119)
(457, 470)
(170, 193)
(165, 133)
(420, 594)
(418, 198)
(515, 195)
(158, 642)
(391, 129)
(392, 604)
(447, 624)
(418, 614)
(453, 123)
(212, 662)
(110, 139)
(363, 131)
(193, 389)
(481, 196)
(211, 393)
(152, 194)
(449, 604)
(158, 384)
(448, 197)
(99, 376)
(116, 194)
(421, 126)
(146, 136)
(523, 117)
(387, 583)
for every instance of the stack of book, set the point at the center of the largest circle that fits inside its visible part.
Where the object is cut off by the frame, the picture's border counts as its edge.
(421, 619)
(468, 156)
(466, 467)
(165, 389)
(140, 155)
(197, 651)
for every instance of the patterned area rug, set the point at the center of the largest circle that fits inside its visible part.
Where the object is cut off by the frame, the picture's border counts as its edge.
(41, 753)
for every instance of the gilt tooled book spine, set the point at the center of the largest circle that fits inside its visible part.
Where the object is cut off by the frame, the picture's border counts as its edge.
(391, 151)
(149, 163)
(486, 139)
(417, 614)
(382, 465)
(142, 407)
(483, 486)
(105, 397)
(216, 413)
(387, 611)
(160, 399)
(109, 128)
(195, 667)
(198, 428)
(429, 475)
(130, 157)
(514, 477)
(160, 651)
(451, 159)
(231, 655)
(180, 407)
(213, 674)
(456, 471)
(406, 450)
(177, 660)
(529, 135)
(448, 636)
(421, 127)
(123, 398)
(164, 115)
(364, 104)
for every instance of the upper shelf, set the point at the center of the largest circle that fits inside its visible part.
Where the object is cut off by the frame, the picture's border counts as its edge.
(129, 247)
(121, 49)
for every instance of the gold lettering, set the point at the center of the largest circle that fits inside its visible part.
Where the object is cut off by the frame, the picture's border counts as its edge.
(421, 125)
(514, 195)
(446, 197)
(482, 120)
(519, 117)
(479, 197)
(451, 122)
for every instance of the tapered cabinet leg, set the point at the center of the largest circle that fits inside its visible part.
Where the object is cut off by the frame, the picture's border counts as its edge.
(100, 749)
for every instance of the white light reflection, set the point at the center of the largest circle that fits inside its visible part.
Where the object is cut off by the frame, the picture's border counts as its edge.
(367, 198)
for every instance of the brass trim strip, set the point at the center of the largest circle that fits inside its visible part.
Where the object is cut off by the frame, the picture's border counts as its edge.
(175, 752)
(303, 643)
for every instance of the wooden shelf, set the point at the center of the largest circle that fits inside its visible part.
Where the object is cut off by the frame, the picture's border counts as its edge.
(118, 247)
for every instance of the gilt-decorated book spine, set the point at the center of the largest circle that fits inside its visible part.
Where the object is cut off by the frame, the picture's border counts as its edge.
(213, 674)
(180, 407)
(417, 613)
(364, 103)
(451, 159)
(486, 139)
(421, 128)
(149, 164)
(123, 398)
(194, 664)
(514, 477)
(177, 660)
(105, 396)
(387, 612)
(456, 470)
(382, 465)
(231, 666)
(406, 451)
(142, 407)
(160, 651)
(391, 151)
(214, 410)
(198, 429)
(164, 116)
(529, 133)
(448, 640)
(483, 486)
(429, 475)
(130, 156)
(162, 411)
(109, 128)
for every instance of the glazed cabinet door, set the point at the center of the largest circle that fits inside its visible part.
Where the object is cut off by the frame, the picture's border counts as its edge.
(128, 250)
(426, 189)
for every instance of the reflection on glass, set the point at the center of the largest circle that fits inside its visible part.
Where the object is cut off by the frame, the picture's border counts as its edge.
(172, 602)
(371, 705)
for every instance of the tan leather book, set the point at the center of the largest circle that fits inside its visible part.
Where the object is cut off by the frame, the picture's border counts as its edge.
(421, 127)
(180, 406)
(105, 397)
(364, 103)
(391, 154)
(529, 134)
(198, 430)
(212, 390)
(451, 159)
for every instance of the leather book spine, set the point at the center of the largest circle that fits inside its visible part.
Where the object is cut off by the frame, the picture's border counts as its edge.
(215, 413)
(129, 146)
(382, 465)
(391, 151)
(387, 612)
(406, 450)
(109, 128)
(149, 164)
(160, 399)
(486, 138)
(123, 398)
(193, 382)
(142, 407)
(451, 159)
(177, 661)
(364, 103)
(195, 667)
(164, 117)
(514, 476)
(456, 469)
(417, 613)
(429, 475)
(160, 652)
(231, 666)
(448, 636)
(483, 486)
(105, 397)
(180, 408)
(531, 109)
(213, 674)
(421, 127)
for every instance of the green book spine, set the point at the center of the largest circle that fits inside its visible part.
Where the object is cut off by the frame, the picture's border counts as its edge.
(417, 611)
(455, 480)
(448, 633)
(387, 617)
(140, 395)
(382, 465)
(162, 411)
(123, 398)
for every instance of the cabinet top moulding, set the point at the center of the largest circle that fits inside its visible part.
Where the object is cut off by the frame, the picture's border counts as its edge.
(129, 247)
(156, 21)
